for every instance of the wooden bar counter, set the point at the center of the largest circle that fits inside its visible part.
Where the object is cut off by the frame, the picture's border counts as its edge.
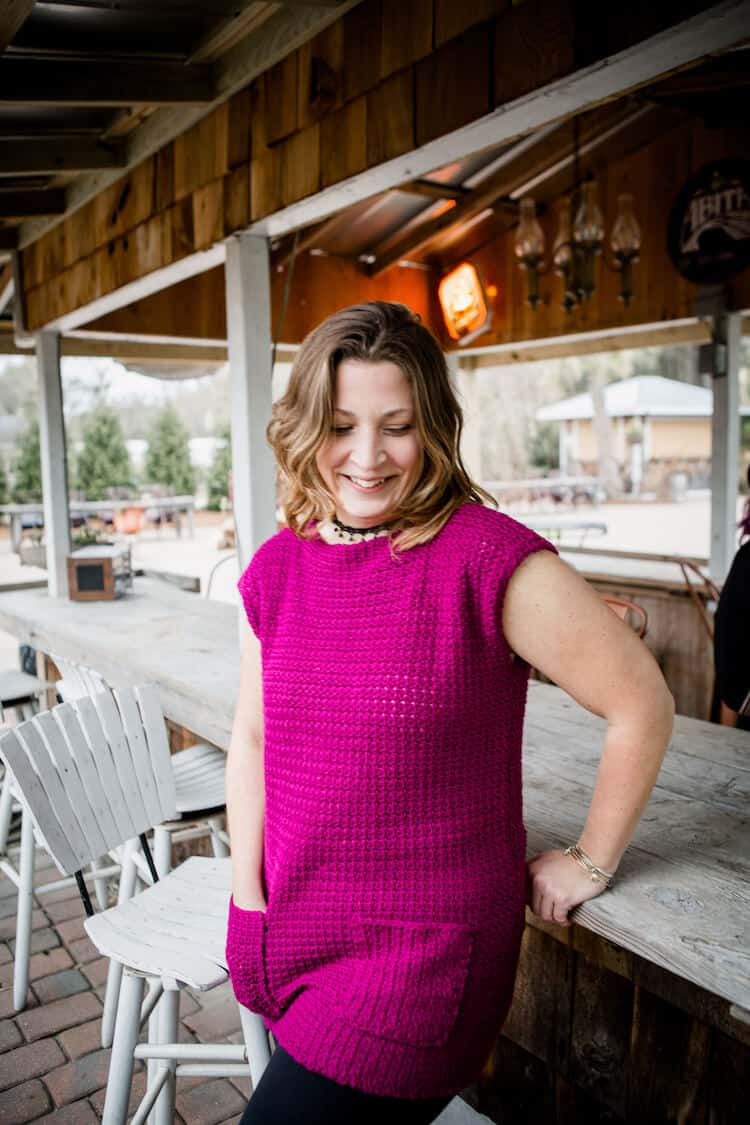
(640, 1011)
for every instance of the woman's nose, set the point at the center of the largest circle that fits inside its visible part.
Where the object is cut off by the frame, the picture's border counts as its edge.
(367, 449)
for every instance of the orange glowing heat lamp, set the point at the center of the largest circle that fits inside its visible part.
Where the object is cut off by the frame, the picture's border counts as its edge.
(464, 303)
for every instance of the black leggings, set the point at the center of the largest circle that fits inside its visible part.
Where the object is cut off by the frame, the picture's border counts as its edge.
(288, 1094)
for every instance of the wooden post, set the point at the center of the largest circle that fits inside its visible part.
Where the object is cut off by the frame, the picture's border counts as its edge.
(725, 442)
(465, 372)
(248, 289)
(54, 462)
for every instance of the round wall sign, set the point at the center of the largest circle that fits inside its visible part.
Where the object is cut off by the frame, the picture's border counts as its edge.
(708, 236)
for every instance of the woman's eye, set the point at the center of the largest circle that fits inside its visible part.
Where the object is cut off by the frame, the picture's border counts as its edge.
(389, 429)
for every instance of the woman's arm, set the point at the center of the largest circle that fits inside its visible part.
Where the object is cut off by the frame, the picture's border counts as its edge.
(555, 621)
(245, 785)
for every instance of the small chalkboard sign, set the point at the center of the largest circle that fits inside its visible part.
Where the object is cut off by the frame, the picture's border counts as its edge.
(99, 573)
(708, 235)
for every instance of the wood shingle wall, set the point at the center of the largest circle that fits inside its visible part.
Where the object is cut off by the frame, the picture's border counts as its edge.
(385, 78)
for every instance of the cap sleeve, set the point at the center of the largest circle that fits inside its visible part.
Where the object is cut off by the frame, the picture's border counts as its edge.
(249, 588)
(503, 547)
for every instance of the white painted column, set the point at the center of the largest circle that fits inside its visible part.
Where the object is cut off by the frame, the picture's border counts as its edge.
(464, 376)
(248, 290)
(54, 462)
(725, 442)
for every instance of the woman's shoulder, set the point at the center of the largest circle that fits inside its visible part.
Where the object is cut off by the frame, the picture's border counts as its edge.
(497, 532)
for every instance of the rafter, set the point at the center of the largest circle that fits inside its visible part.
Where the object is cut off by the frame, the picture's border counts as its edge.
(50, 155)
(13, 15)
(124, 82)
(434, 190)
(285, 31)
(516, 169)
(20, 204)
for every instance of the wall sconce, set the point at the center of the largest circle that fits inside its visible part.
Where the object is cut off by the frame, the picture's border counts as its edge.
(576, 248)
(464, 303)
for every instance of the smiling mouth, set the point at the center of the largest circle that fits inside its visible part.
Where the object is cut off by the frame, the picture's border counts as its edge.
(365, 484)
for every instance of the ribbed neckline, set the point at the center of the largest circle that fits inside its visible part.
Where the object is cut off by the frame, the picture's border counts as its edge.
(377, 550)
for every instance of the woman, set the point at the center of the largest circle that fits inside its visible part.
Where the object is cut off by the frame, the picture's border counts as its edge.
(373, 780)
(731, 629)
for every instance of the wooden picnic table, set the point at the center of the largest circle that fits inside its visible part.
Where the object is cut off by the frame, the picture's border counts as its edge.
(160, 504)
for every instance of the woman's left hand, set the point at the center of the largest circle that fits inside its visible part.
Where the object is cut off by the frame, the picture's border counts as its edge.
(555, 884)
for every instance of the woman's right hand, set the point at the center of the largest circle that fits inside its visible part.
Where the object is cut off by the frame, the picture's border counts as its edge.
(249, 901)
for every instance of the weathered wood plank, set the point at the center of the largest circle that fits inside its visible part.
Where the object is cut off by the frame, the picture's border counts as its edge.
(281, 100)
(390, 117)
(534, 45)
(452, 18)
(453, 85)
(319, 66)
(407, 34)
(600, 1034)
(363, 39)
(343, 142)
(668, 1064)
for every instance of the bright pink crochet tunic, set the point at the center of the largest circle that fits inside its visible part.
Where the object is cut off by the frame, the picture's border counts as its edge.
(394, 839)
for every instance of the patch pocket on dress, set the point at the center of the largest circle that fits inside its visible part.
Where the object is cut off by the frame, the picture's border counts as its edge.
(408, 978)
(247, 964)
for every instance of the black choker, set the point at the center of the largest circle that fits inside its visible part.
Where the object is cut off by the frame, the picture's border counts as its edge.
(360, 530)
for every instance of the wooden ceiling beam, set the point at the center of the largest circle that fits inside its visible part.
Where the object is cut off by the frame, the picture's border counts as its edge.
(21, 204)
(110, 82)
(434, 190)
(13, 15)
(50, 155)
(246, 18)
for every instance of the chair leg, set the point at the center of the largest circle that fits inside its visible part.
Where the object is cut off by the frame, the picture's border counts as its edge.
(168, 1032)
(162, 849)
(121, 1062)
(256, 1042)
(6, 810)
(126, 890)
(23, 919)
(221, 851)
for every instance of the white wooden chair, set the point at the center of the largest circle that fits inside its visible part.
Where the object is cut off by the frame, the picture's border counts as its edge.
(23, 694)
(96, 774)
(199, 782)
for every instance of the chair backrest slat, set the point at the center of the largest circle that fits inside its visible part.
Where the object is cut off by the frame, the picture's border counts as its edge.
(144, 772)
(35, 796)
(122, 757)
(158, 746)
(70, 721)
(54, 735)
(98, 745)
(49, 776)
(78, 766)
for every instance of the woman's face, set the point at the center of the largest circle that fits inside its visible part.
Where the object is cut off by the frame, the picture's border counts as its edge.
(374, 439)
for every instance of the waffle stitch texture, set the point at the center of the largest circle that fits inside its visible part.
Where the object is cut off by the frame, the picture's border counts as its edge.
(394, 857)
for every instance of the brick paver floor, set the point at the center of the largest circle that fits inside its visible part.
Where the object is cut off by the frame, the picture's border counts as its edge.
(52, 1066)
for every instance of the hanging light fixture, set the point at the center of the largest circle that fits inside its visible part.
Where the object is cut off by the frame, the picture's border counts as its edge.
(579, 241)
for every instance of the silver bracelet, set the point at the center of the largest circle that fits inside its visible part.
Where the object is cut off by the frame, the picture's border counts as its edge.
(598, 875)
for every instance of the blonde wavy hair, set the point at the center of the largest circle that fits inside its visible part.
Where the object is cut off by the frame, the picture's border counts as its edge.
(302, 419)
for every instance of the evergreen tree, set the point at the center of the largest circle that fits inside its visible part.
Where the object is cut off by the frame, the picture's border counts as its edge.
(3, 484)
(218, 476)
(27, 469)
(168, 457)
(104, 461)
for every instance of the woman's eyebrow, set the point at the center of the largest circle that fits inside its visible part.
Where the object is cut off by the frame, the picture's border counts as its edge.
(386, 414)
